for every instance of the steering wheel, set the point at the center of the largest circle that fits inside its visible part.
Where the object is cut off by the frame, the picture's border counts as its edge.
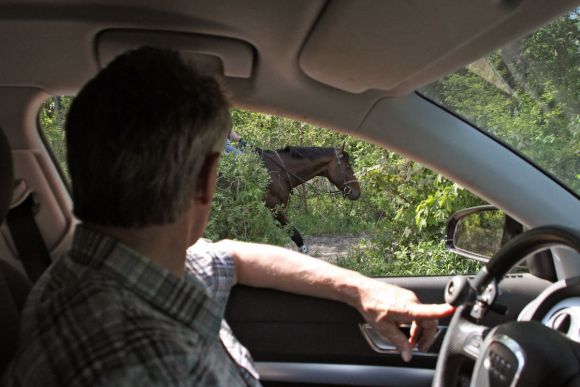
(515, 353)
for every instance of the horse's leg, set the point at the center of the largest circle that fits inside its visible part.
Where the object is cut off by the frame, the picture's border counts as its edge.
(296, 237)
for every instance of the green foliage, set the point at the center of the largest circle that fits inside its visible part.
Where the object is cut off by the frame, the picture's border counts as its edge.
(238, 210)
(527, 94)
(402, 210)
(379, 257)
(51, 118)
(414, 196)
(327, 214)
(273, 132)
(408, 240)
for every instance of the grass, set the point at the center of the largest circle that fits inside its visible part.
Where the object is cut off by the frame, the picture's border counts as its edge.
(328, 214)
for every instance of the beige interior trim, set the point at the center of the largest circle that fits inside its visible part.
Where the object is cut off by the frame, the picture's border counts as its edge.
(236, 57)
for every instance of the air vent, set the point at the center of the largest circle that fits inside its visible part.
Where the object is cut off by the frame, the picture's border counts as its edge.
(564, 317)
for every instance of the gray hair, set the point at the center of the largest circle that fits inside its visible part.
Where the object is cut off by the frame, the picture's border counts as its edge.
(137, 136)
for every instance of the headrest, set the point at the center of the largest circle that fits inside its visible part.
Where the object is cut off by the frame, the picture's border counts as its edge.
(6, 176)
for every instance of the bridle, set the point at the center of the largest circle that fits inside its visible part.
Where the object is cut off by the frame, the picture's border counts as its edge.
(346, 189)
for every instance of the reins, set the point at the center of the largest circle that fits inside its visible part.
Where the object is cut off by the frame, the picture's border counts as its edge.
(283, 166)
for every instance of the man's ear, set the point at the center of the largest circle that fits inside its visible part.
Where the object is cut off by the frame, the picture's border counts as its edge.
(206, 178)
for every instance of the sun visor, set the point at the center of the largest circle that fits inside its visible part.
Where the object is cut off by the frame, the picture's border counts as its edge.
(212, 55)
(400, 45)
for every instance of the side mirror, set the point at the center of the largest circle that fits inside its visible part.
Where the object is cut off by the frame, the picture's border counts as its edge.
(479, 232)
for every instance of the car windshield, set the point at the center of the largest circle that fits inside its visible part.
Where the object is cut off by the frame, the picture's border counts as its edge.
(527, 94)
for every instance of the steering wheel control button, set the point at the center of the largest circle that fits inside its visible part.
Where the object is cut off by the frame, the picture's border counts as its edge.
(473, 344)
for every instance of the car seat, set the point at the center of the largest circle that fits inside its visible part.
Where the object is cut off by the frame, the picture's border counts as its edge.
(14, 286)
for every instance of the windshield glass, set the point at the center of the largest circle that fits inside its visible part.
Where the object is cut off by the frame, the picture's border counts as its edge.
(527, 94)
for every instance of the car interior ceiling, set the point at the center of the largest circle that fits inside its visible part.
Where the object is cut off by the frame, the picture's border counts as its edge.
(300, 51)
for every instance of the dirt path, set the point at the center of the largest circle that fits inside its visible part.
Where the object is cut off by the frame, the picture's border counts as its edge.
(330, 247)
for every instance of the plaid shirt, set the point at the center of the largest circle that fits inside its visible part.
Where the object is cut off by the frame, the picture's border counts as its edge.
(104, 315)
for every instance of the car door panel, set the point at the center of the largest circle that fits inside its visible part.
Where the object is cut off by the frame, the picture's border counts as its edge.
(294, 338)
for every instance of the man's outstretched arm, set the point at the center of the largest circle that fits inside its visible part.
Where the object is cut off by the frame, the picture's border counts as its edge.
(383, 306)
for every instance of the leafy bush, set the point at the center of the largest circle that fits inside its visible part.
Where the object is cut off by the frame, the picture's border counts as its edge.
(408, 239)
(529, 97)
(51, 117)
(403, 205)
(382, 256)
(238, 210)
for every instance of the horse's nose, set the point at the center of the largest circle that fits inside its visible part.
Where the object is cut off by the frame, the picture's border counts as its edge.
(354, 194)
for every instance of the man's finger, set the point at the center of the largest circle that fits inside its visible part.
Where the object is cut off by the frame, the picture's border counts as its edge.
(416, 333)
(428, 332)
(429, 311)
(399, 340)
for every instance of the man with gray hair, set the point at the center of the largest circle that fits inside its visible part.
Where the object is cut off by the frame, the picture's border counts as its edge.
(136, 301)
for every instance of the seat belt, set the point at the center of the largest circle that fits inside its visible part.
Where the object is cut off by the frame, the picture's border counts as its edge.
(27, 238)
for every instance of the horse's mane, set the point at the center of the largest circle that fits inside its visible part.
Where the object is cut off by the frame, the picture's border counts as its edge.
(310, 152)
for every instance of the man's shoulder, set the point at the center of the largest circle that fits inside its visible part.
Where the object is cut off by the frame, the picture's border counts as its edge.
(205, 255)
(214, 267)
(62, 289)
(91, 302)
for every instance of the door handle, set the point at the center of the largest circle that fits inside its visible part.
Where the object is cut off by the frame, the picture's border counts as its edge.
(382, 344)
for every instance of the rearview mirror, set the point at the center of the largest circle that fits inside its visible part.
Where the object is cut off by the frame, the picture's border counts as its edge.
(479, 232)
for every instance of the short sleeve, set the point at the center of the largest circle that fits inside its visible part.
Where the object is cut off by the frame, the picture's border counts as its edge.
(214, 267)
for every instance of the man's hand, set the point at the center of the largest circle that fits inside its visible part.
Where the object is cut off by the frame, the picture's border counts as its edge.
(386, 307)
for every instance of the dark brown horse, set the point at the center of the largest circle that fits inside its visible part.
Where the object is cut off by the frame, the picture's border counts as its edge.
(293, 166)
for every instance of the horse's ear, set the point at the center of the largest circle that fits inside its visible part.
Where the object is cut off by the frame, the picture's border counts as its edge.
(341, 147)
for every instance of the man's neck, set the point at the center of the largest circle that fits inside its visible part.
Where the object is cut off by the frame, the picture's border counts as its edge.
(165, 245)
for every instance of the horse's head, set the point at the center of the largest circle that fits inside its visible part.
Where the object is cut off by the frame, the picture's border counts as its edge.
(341, 175)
